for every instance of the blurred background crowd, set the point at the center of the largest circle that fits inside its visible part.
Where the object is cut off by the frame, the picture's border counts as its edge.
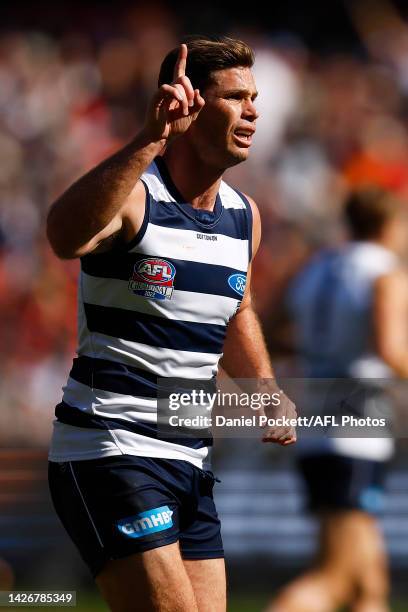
(70, 95)
(74, 87)
(74, 84)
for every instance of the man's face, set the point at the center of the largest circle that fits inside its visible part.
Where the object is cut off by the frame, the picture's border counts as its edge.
(222, 133)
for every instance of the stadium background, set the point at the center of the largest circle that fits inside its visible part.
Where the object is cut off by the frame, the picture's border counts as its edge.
(74, 82)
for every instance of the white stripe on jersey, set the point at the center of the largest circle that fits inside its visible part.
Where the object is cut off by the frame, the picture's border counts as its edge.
(157, 188)
(109, 404)
(163, 362)
(83, 443)
(183, 306)
(230, 198)
(183, 244)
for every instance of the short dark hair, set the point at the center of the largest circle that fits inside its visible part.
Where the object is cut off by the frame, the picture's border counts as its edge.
(206, 55)
(368, 209)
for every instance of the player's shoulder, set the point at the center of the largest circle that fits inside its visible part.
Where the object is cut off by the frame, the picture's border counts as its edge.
(254, 208)
(232, 197)
(154, 182)
(254, 220)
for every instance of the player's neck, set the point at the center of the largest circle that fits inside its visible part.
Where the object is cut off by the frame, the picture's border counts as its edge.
(196, 181)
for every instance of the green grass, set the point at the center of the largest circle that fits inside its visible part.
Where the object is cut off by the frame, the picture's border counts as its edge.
(247, 604)
(89, 601)
(257, 604)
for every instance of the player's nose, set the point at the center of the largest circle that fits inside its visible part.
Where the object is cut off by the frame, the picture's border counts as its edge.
(250, 112)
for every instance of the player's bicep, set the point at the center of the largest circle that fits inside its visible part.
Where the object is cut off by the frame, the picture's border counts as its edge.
(122, 228)
(103, 240)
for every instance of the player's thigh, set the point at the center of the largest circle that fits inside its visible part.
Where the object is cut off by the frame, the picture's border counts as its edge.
(201, 546)
(152, 581)
(207, 577)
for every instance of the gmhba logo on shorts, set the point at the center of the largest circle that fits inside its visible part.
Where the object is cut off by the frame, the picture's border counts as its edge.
(146, 523)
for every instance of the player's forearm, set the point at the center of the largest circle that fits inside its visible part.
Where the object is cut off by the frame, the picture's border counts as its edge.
(91, 203)
(245, 352)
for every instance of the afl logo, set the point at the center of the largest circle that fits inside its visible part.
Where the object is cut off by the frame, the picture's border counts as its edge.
(237, 282)
(153, 278)
(156, 271)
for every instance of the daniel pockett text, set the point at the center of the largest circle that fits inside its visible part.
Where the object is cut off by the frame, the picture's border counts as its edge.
(229, 408)
(257, 402)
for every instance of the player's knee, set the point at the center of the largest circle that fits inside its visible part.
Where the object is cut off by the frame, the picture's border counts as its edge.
(373, 582)
(372, 578)
(154, 581)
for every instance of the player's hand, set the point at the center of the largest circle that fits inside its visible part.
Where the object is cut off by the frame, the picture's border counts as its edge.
(283, 434)
(174, 107)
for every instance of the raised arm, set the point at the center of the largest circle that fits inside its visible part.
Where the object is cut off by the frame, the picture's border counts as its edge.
(109, 200)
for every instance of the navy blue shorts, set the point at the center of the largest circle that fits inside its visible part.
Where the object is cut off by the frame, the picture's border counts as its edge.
(335, 482)
(117, 506)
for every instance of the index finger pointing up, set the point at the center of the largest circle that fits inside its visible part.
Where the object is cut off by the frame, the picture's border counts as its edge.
(180, 67)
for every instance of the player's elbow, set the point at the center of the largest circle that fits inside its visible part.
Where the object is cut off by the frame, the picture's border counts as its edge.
(57, 237)
(393, 356)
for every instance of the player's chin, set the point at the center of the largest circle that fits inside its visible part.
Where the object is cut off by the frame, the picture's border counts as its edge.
(238, 154)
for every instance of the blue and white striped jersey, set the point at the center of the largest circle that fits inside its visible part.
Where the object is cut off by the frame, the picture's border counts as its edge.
(158, 307)
(331, 302)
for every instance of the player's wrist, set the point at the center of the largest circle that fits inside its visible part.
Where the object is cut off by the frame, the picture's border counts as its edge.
(150, 138)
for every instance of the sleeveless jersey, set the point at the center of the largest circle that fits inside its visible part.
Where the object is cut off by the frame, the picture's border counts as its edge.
(158, 307)
(331, 303)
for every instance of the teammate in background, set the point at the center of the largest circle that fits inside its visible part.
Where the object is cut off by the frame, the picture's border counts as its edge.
(350, 312)
(165, 247)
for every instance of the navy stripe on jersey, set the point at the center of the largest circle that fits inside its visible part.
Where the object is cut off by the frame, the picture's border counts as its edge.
(190, 275)
(155, 331)
(233, 222)
(70, 415)
(113, 376)
(209, 219)
(117, 377)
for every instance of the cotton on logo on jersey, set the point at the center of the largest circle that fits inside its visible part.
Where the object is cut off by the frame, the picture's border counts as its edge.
(145, 523)
(153, 278)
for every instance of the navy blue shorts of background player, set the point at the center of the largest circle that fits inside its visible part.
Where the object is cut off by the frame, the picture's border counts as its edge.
(117, 506)
(335, 482)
